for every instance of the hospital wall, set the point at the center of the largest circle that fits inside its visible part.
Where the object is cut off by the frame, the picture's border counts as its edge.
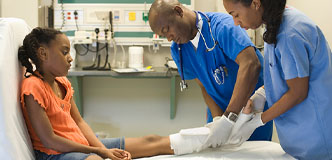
(137, 107)
(25, 9)
(319, 11)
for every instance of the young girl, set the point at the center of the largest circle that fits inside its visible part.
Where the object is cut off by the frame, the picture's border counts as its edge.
(56, 128)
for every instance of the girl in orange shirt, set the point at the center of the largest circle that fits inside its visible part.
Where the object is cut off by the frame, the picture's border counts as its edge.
(55, 126)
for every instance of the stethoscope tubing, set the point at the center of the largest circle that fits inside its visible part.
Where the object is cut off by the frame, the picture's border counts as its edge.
(183, 83)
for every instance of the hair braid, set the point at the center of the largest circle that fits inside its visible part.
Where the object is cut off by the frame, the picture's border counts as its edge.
(272, 17)
(27, 54)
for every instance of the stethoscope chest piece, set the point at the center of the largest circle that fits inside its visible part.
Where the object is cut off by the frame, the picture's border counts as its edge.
(183, 85)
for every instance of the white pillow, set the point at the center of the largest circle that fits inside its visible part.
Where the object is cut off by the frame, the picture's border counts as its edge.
(14, 138)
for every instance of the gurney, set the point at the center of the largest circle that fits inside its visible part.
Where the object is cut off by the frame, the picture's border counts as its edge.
(250, 150)
(14, 138)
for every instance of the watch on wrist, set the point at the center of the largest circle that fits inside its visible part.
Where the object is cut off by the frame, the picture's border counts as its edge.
(231, 116)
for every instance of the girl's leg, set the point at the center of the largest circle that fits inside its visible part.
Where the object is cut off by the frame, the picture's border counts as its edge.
(147, 146)
(67, 156)
(94, 157)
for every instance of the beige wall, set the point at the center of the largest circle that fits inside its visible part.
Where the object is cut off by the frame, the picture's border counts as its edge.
(24, 9)
(319, 11)
(136, 107)
(0, 8)
(206, 5)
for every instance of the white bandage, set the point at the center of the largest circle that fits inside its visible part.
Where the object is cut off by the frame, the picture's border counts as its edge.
(189, 140)
(242, 119)
(246, 130)
(258, 100)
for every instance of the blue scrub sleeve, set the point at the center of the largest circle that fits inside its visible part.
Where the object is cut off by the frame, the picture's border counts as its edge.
(232, 39)
(294, 55)
(187, 69)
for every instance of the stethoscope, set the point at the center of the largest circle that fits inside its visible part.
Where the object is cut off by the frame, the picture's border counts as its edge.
(220, 70)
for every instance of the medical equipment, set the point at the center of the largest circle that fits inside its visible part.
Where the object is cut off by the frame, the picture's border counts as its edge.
(122, 63)
(110, 16)
(76, 17)
(129, 16)
(83, 37)
(199, 30)
(107, 65)
(170, 64)
(220, 72)
(183, 83)
(156, 41)
(126, 20)
(135, 57)
(72, 52)
(96, 62)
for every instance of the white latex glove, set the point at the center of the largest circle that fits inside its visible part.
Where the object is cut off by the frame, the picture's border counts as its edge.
(258, 100)
(242, 120)
(242, 133)
(220, 129)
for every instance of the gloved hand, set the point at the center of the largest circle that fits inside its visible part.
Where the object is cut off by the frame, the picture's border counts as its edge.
(242, 120)
(242, 133)
(220, 129)
(258, 100)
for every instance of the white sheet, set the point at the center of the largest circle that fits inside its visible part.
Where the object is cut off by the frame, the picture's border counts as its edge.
(15, 142)
(250, 150)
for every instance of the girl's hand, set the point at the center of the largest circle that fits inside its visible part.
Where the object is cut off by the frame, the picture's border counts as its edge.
(115, 154)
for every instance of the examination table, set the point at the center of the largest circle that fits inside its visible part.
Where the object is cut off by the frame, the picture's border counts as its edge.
(250, 150)
(14, 137)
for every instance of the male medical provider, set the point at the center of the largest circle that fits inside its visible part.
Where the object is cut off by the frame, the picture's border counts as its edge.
(209, 48)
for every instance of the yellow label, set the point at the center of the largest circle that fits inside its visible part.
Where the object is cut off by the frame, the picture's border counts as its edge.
(132, 16)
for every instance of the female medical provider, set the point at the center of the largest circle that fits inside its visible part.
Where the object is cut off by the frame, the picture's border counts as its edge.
(297, 77)
(209, 48)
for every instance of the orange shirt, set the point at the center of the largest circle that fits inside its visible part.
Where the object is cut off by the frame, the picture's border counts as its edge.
(57, 110)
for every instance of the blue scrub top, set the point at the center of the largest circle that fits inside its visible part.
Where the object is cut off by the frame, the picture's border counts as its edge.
(201, 64)
(301, 51)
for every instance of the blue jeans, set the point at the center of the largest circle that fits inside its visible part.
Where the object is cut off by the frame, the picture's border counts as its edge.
(108, 142)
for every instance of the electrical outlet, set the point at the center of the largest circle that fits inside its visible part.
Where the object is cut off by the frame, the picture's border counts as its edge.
(68, 16)
(116, 16)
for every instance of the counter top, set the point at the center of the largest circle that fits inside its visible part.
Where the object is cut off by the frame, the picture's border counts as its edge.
(158, 72)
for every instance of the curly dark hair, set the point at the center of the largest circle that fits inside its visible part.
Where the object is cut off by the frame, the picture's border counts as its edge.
(272, 17)
(27, 54)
